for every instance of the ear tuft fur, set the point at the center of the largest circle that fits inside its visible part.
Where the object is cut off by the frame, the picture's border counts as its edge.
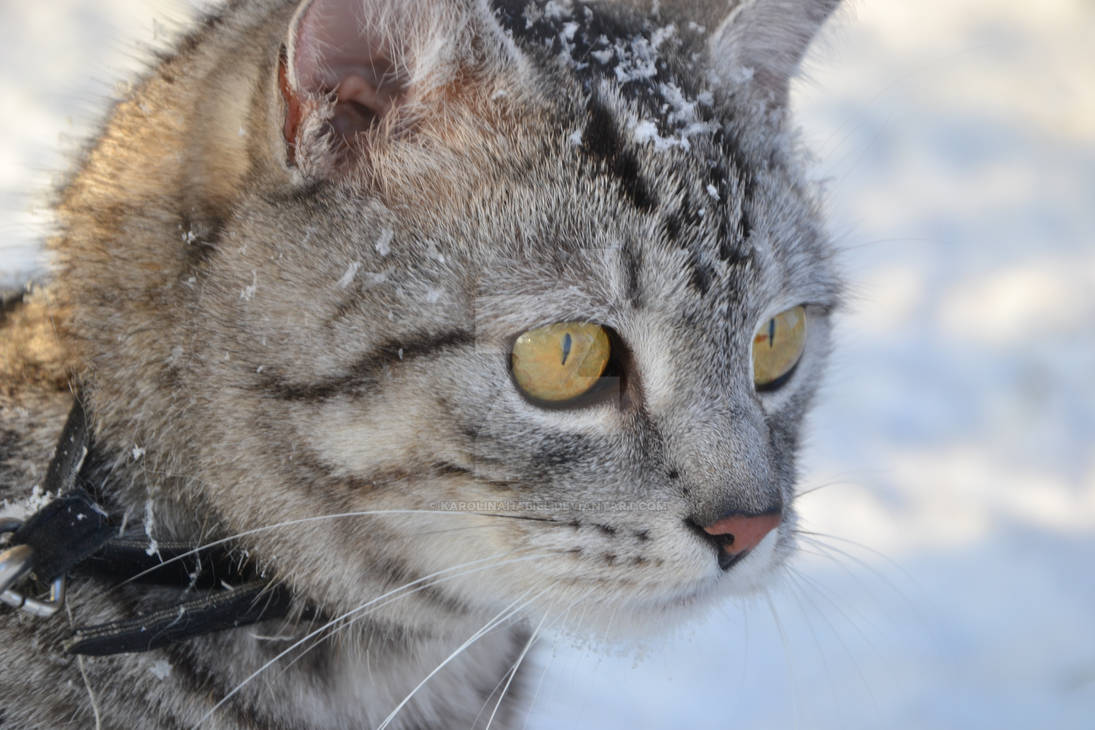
(355, 71)
(761, 43)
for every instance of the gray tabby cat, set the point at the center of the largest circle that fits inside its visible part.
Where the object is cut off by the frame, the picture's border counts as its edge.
(469, 318)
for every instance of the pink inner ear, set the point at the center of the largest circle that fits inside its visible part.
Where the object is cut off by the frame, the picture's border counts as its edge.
(332, 55)
(359, 104)
(355, 89)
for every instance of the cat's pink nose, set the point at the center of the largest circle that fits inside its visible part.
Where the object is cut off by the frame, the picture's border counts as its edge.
(739, 533)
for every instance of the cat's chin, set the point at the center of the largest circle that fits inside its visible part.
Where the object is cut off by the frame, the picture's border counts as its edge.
(750, 575)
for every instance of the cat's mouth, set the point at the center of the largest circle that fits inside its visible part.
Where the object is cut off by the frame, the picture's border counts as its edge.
(735, 536)
(676, 570)
(740, 572)
(671, 594)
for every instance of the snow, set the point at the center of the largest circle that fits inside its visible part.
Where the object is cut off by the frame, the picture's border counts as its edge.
(384, 243)
(149, 527)
(603, 56)
(160, 669)
(954, 439)
(645, 131)
(636, 61)
(22, 509)
(348, 277)
(556, 10)
(248, 292)
(682, 110)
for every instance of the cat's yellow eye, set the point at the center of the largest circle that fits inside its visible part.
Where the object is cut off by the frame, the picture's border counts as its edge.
(777, 347)
(560, 362)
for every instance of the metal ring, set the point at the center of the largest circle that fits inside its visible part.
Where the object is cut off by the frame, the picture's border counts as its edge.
(15, 563)
(35, 607)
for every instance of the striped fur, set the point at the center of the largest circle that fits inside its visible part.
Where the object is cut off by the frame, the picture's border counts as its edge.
(272, 322)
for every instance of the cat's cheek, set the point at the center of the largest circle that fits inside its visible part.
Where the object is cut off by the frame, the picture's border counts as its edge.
(361, 440)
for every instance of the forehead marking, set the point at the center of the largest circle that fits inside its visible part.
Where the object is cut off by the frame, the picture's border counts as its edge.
(654, 67)
(601, 141)
(631, 260)
(649, 64)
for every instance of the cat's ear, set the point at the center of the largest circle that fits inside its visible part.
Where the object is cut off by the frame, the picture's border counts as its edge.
(759, 44)
(353, 71)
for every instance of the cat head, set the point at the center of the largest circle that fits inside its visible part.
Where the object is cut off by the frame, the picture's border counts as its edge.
(542, 279)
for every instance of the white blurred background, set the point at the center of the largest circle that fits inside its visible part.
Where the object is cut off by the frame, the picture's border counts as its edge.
(955, 443)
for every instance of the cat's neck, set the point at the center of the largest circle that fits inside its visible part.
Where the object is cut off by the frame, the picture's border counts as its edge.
(354, 676)
(342, 668)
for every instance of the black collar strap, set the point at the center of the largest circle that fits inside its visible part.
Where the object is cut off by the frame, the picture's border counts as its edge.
(72, 533)
(216, 611)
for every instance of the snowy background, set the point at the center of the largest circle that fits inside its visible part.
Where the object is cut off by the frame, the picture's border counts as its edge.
(956, 441)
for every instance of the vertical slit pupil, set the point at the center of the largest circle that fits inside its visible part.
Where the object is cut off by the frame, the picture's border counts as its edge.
(772, 332)
(567, 342)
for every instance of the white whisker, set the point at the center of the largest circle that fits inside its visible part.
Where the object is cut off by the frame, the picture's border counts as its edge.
(806, 580)
(302, 521)
(543, 674)
(828, 551)
(820, 536)
(335, 620)
(499, 619)
(513, 670)
(787, 656)
(796, 592)
(343, 626)
(801, 581)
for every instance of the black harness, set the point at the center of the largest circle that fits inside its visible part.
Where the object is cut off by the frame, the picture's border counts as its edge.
(73, 534)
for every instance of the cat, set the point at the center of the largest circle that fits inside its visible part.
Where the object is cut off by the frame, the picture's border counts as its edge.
(465, 319)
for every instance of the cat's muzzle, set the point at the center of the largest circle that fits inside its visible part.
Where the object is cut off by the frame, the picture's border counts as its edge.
(734, 535)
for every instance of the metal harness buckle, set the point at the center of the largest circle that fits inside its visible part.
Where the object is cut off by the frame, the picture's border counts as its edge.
(15, 563)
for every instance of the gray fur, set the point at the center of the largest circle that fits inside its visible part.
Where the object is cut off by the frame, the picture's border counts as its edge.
(269, 329)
